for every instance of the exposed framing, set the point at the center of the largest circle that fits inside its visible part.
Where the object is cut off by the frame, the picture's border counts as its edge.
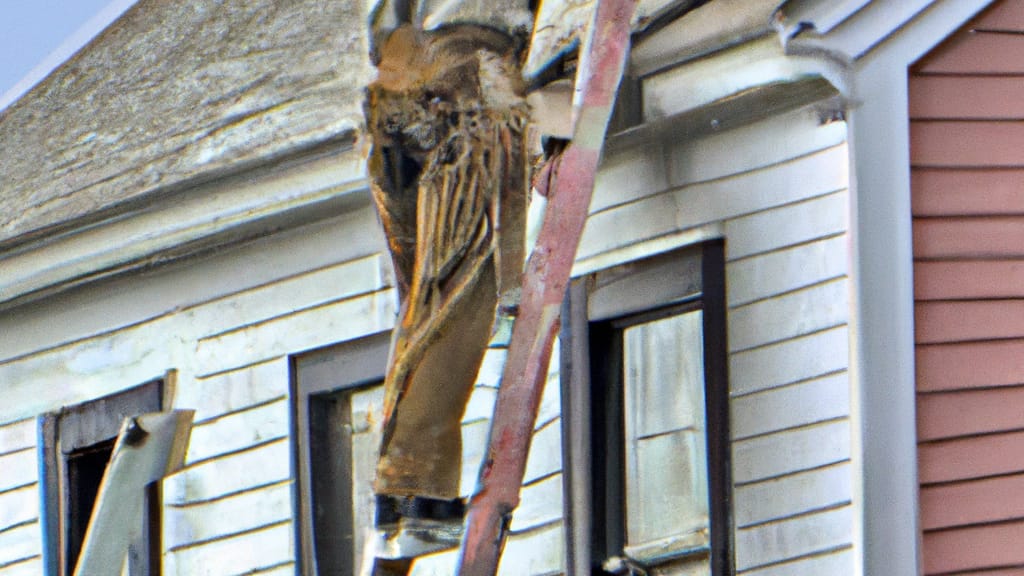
(75, 431)
(671, 283)
(316, 377)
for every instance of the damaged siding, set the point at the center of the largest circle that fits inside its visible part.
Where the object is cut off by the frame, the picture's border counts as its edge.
(777, 191)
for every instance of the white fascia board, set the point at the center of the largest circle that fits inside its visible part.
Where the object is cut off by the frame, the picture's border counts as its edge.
(882, 321)
(211, 215)
(739, 70)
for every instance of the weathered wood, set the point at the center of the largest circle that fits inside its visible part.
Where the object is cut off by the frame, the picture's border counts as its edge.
(243, 553)
(982, 501)
(202, 521)
(148, 447)
(791, 451)
(785, 270)
(788, 225)
(817, 400)
(342, 320)
(974, 548)
(969, 412)
(789, 361)
(222, 477)
(793, 537)
(794, 314)
(795, 494)
(973, 457)
(294, 83)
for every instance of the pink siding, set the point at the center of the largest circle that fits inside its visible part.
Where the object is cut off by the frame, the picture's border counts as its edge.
(967, 155)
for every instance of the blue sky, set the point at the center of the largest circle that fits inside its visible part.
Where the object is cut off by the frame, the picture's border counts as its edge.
(36, 35)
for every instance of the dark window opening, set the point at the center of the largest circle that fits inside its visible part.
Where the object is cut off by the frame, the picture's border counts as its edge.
(646, 401)
(78, 443)
(338, 398)
(85, 469)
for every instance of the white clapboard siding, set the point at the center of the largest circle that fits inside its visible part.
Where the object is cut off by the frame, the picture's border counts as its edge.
(839, 561)
(19, 506)
(239, 430)
(537, 552)
(790, 451)
(785, 270)
(90, 310)
(20, 543)
(696, 204)
(803, 311)
(244, 553)
(203, 521)
(773, 141)
(540, 503)
(236, 390)
(775, 409)
(778, 191)
(29, 567)
(221, 477)
(789, 361)
(788, 225)
(17, 435)
(777, 498)
(338, 321)
(803, 535)
(286, 296)
(545, 456)
(18, 468)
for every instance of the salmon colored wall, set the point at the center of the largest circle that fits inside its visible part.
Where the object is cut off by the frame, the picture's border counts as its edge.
(967, 155)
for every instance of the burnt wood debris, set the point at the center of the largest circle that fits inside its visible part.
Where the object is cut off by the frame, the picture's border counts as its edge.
(450, 169)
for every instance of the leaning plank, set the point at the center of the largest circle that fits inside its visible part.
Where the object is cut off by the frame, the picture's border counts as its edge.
(148, 448)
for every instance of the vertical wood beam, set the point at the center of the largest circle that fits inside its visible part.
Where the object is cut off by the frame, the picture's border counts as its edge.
(602, 61)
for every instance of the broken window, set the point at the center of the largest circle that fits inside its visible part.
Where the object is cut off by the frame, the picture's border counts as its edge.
(78, 442)
(647, 408)
(339, 399)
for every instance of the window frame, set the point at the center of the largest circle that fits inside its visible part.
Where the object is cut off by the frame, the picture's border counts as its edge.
(597, 308)
(72, 431)
(315, 375)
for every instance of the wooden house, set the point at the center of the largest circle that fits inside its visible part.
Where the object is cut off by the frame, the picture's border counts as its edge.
(790, 346)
